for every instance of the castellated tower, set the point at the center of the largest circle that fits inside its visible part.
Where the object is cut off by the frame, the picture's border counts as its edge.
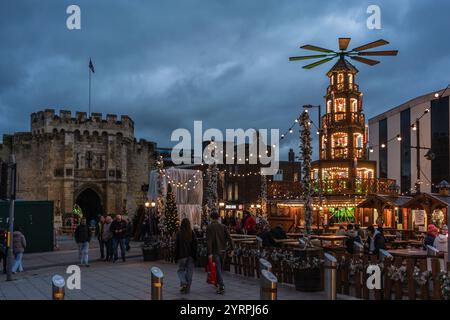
(90, 161)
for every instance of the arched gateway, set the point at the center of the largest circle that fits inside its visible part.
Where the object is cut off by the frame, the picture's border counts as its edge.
(90, 203)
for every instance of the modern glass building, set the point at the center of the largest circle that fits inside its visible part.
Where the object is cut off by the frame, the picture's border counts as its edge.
(393, 141)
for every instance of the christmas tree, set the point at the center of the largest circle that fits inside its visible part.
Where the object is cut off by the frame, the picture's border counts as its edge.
(171, 220)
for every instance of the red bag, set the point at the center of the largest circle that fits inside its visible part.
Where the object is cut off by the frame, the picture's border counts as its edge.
(211, 272)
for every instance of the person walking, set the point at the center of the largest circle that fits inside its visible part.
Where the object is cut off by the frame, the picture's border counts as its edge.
(217, 238)
(99, 235)
(185, 254)
(118, 230)
(107, 238)
(82, 238)
(19, 245)
(128, 233)
(3, 248)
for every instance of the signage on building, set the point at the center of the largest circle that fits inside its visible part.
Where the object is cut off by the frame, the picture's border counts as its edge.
(419, 217)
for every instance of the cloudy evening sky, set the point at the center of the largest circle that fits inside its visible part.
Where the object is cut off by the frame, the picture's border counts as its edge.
(168, 63)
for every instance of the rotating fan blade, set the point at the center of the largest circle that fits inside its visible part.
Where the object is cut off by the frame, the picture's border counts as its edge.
(314, 48)
(343, 43)
(318, 63)
(366, 61)
(371, 45)
(308, 57)
(379, 53)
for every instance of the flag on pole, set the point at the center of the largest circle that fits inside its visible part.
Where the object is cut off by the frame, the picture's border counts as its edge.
(91, 66)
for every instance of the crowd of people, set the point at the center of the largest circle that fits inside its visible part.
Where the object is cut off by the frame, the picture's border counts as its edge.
(111, 235)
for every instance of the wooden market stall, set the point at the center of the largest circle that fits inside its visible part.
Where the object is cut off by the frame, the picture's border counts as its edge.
(385, 209)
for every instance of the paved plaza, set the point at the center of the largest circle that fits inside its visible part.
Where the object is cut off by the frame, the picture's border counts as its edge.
(128, 281)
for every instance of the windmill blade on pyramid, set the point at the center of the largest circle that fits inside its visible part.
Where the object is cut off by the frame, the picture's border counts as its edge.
(370, 62)
(318, 63)
(378, 53)
(315, 48)
(371, 45)
(343, 52)
(311, 57)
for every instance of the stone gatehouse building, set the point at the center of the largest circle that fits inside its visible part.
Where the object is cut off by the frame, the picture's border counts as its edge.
(90, 161)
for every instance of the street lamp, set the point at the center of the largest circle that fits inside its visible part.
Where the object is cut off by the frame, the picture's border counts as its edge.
(430, 155)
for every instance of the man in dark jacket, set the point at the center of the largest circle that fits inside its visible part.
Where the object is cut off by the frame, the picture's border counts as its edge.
(99, 235)
(119, 231)
(375, 240)
(217, 237)
(128, 233)
(82, 238)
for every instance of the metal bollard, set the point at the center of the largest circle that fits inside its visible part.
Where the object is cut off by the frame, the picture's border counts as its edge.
(268, 286)
(385, 255)
(157, 283)
(264, 265)
(58, 287)
(330, 267)
(259, 242)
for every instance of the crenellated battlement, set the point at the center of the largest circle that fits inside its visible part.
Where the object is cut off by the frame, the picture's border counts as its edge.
(48, 121)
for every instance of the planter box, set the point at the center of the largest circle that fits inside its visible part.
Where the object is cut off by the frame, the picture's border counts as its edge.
(150, 253)
(308, 280)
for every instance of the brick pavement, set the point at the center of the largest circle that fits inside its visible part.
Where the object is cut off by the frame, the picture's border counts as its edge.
(131, 281)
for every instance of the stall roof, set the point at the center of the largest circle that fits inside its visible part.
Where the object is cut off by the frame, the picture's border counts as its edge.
(442, 200)
(385, 200)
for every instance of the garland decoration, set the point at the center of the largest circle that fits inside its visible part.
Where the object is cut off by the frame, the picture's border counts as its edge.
(421, 278)
(306, 151)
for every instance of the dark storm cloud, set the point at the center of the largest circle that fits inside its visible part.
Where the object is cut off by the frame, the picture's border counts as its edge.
(168, 63)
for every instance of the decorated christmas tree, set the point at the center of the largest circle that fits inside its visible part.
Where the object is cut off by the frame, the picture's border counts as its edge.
(171, 220)
(305, 148)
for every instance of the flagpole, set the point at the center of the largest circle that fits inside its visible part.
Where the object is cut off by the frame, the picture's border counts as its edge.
(89, 92)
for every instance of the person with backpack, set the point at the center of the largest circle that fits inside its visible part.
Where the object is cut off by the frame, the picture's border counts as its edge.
(185, 254)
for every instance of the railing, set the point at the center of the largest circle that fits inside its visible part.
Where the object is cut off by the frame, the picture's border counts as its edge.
(359, 186)
(354, 186)
(341, 118)
(283, 189)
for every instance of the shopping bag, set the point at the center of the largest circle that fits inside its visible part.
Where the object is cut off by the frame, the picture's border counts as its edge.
(211, 272)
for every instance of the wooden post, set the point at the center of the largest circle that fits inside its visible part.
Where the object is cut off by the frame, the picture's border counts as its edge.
(410, 264)
(398, 284)
(366, 293)
(387, 281)
(378, 293)
(435, 271)
(424, 289)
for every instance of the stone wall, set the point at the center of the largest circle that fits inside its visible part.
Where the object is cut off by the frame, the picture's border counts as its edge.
(63, 156)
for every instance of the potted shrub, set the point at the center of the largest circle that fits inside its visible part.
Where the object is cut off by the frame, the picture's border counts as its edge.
(151, 249)
(307, 270)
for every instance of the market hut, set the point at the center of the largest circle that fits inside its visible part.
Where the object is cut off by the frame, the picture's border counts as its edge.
(384, 209)
(427, 208)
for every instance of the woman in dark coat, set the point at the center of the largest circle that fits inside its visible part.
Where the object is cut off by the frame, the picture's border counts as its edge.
(185, 254)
